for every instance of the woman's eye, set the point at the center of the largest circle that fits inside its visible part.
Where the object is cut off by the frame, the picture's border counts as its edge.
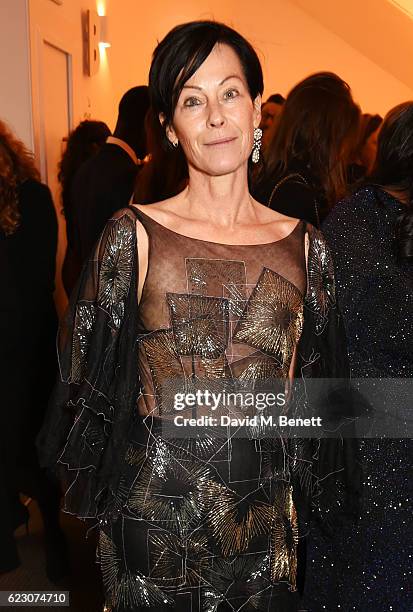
(192, 101)
(231, 93)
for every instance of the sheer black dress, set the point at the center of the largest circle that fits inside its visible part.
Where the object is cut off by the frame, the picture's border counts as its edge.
(210, 522)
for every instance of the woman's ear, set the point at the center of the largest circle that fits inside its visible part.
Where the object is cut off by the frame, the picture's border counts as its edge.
(169, 131)
(257, 110)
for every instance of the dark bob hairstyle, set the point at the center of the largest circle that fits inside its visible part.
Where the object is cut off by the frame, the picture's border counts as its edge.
(183, 50)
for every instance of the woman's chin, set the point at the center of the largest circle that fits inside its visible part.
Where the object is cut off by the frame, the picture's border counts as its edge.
(224, 167)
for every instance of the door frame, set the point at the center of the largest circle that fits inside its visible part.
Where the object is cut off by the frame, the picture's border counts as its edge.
(60, 33)
(39, 118)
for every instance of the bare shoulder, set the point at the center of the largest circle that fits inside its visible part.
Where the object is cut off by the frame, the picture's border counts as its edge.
(161, 211)
(121, 213)
(269, 216)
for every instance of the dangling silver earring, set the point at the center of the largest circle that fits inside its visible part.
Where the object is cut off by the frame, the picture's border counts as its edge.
(175, 144)
(257, 145)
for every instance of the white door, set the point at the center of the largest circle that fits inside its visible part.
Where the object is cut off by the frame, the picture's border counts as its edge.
(55, 123)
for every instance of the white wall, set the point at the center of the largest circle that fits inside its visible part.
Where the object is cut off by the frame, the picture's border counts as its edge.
(291, 44)
(61, 26)
(379, 29)
(15, 88)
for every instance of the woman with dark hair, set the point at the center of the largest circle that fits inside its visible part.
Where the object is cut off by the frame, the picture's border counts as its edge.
(305, 164)
(166, 172)
(203, 293)
(370, 126)
(270, 114)
(82, 144)
(28, 326)
(366, 150)
(371, 236)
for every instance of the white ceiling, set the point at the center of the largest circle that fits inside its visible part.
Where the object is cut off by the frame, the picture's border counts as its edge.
(404, 5)
(380, 29)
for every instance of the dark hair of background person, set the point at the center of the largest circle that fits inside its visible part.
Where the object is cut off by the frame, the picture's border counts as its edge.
(393, 170)
(270, 114)
(83, 142)
(166, 173)
(16, 166)
(133, 107)
(104, 183)
(183, 51)
(365, 153)
(276, 99)
(318, 129)
(369, 124)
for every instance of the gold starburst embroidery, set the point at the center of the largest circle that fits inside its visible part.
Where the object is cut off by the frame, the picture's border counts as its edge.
(273, 318)
(284, 538)
(109, 561)
(200, 324)
(238, 579)
(84, 320)
(218, 277)
(174, 560)
(321, 286)
(256, 367)
(235, 521)
(128, 589)
(116, 268)
(170, 490)
(165, 366)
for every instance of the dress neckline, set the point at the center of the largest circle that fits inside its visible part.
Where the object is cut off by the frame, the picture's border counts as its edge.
(138, 212)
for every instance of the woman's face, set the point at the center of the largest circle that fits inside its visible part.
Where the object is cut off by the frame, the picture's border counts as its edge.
(214, 118)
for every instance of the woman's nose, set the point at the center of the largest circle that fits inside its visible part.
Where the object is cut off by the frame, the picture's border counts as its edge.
(216, 117)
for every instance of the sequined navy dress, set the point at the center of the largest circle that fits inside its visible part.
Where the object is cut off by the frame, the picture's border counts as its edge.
(375, 296)
(209, 523)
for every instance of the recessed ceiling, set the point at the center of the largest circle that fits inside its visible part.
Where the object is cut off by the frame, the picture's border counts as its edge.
(380, 29)
(405, 5)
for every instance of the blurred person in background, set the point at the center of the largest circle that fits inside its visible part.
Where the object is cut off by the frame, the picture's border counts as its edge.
(305, 164)
(165, 174)
(105, 182)
(270, 113)
(370, 234)
(28, 326)
(82, 144)
(365, 153)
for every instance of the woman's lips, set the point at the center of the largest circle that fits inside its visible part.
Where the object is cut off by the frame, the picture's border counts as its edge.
(221, 141)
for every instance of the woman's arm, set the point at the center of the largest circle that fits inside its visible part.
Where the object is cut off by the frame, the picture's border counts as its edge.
(324, 391)
(94, 402)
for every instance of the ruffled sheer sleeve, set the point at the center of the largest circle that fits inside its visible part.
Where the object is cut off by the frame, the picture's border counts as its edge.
(94, 401)
(324, 390)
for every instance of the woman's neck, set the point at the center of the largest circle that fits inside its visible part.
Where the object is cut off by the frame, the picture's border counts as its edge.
(222, 200)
